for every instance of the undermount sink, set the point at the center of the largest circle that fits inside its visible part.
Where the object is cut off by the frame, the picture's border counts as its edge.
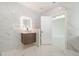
(28, 31)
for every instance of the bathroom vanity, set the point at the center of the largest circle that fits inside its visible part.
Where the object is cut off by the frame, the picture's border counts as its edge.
(28, 38)
(28, 34)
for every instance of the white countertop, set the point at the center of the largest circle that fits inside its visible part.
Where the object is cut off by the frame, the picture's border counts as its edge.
(32, 31)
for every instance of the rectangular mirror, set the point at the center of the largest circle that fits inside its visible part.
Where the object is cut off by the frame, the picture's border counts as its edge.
(26, 23)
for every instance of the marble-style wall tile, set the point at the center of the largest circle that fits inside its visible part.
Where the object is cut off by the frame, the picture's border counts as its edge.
(73, 26)
(10, 14)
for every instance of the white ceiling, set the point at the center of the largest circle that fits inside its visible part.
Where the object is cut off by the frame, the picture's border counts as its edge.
(39, 6)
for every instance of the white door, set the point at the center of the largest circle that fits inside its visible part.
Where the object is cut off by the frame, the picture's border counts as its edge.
(46, 30)
(59, 32)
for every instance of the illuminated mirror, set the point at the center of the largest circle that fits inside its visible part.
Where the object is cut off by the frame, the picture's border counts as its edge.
(26, 23)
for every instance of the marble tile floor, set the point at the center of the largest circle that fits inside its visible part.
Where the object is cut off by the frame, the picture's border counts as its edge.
(43, 50)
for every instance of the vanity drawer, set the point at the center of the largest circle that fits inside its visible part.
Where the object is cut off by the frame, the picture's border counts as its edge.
(28, 38)
(29, 35)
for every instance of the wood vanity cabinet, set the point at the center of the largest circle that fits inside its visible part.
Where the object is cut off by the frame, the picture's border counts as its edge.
(28, 38)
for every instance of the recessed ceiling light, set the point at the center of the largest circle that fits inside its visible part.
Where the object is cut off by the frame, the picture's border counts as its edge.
(60, 8)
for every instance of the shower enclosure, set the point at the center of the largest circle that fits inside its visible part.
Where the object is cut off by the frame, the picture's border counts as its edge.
(53, 31)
